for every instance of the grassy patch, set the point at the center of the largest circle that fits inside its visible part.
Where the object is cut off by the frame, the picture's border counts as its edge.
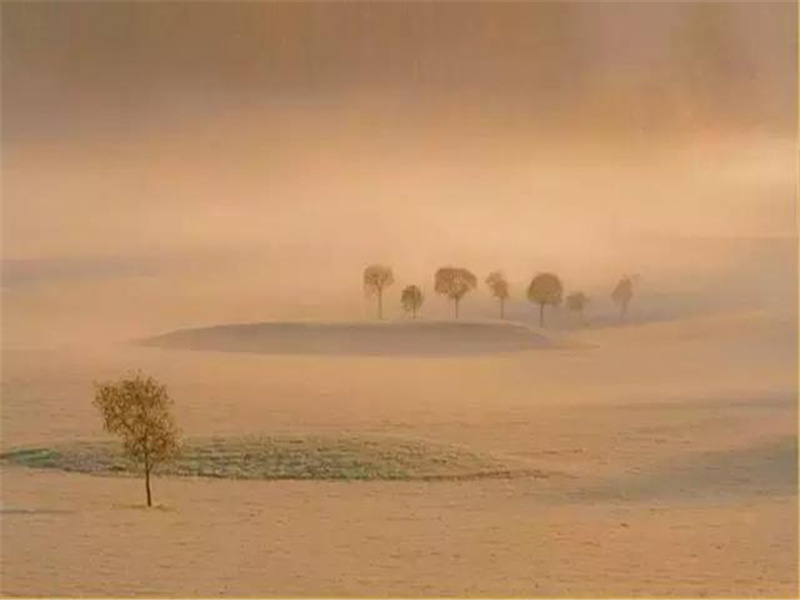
(302, 458)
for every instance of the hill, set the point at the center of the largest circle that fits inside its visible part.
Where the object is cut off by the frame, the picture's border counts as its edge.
(384, 338)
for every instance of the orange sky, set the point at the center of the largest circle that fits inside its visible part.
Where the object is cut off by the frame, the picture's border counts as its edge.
(296, 142)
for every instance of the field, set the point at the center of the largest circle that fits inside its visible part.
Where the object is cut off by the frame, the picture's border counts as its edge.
(346, 458)
(451, 299)
(655, 459)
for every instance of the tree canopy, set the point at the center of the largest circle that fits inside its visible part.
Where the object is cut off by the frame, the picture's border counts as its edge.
(499, 287)
(577, 301)
(138, 409)
(376, 279)
(411, 298)
(545, 290)
(455, 283)
(623, 294)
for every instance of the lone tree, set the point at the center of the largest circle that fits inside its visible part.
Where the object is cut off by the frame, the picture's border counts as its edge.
(376, 279)
(137, 408)
(576, 302)
(412, 299)
(499, 286)
(622, 295)
(545, 289)
(454, 282)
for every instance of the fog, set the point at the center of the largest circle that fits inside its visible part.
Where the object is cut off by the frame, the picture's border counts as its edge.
(168, 165)
(194, 189)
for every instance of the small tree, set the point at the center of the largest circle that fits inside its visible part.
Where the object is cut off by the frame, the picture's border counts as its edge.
(412, 299)
(545, 289)
(576, 303)
(454, 282)
(499, 286)
(376, 279)
(622, 295)
(137, 408)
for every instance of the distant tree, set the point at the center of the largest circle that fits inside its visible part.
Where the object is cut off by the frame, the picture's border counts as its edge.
(576, 302)
(622, 295)
(137, 408)
(455, 283)
(499, 286)
(376, 279)
(412, 299)
(545, 289)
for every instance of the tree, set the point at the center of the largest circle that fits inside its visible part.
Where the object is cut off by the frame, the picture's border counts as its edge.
(622, 295)
(412, 299)
(576, 302)
(455, 283)
(499, 286)
(137, 408)
(545, 289)
(376, 279)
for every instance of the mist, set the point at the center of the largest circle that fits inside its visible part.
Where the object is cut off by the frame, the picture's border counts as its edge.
(399, 299)
(170, 165)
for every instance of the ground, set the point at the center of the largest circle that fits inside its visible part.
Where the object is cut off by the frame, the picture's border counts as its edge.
(675, 445)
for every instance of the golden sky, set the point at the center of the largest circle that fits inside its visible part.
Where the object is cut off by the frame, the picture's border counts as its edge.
(301, 141)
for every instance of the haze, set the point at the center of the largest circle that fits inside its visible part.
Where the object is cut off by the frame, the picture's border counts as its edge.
(181, 164)
(202, 191)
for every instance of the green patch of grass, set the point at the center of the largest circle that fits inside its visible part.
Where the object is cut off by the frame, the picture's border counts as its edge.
(42, 458)
(347, 458)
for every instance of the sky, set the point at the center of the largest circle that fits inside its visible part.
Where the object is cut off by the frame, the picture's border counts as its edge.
(247, 160)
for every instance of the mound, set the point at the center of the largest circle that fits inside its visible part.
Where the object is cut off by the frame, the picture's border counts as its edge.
(393, 338)
(767, 468)
(303, 458)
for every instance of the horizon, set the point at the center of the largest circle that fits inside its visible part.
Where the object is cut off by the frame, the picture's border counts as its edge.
(328, 299)
(254, 159)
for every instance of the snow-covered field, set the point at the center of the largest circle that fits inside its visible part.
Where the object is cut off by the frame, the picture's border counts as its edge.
(675, 445)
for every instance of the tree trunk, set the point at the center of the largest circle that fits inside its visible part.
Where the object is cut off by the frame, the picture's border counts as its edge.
(502, 308)
(147, 486)
(624, 310)
(380, 304)
(541, 315)
(456, 305)
(414, 313)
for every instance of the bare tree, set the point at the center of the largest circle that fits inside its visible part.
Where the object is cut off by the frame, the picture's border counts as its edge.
(137, 408)
(545, 289)
(576, 302)
(622, 295)
(499, 286)
(455, 283)
(376, 279)
(412, 300)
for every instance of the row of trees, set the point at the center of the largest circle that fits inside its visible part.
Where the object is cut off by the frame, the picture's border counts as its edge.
(138, 408)
(454, 283)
